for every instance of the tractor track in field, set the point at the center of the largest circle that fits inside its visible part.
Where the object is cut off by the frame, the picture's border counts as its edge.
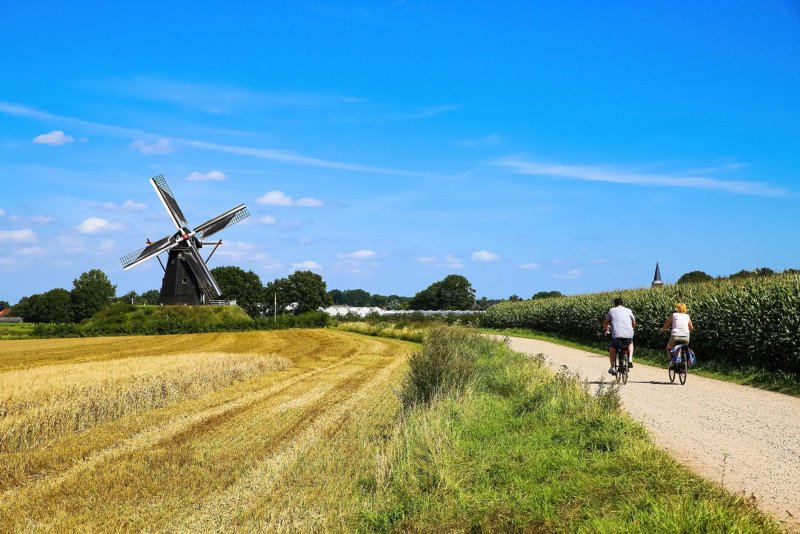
(747, 439)
(296, 392)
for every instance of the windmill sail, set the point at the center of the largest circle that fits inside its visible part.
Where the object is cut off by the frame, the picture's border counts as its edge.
(220, 222)
(205, 280)
(168, 200)
(149, 252)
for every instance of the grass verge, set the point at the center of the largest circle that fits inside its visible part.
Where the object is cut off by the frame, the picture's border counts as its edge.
(778, 381)
(524, 449)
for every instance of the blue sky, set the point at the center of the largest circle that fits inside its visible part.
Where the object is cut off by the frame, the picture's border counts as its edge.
(526, 145)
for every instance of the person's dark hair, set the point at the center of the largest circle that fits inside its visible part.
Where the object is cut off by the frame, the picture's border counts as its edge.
(618, 301)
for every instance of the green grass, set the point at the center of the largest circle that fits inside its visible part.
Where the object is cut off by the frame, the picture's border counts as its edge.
(778, 381)
(15, 330)
(526, 450)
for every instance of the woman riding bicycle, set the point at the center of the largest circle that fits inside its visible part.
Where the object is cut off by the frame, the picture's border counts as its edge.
(681, 327)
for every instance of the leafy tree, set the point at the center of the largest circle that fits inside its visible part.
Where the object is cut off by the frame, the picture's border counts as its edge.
(547, 295)
(150, 296)
(91, 292)
(128, 297)
(4, 304)
(302, 290)
(514, 298)
(337, 296)
(28, 308)
(357, 297)
(694, 277)
(454, 292)
(55, 306)
(242, 286)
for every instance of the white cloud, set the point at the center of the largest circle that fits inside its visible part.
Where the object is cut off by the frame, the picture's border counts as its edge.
(489, 140)
(267, 219)
(2, 212)
(569, 275)
(237, 250)
(18, 236)
(275, 198)
(308, 203)
(358, 255)
(42, 219)
(31, 251)
(529, 266)
(211, 176)
(54, 138)
(618, 176)
(128, 205)
(279, 198)
(162, 146)
(450, 261)
(308, 264)
(94, 225)
(485, 255)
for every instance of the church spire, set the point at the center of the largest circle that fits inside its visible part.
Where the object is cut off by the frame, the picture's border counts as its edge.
(657, 277)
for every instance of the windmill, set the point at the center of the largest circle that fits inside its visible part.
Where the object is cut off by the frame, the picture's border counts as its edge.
(187, 279)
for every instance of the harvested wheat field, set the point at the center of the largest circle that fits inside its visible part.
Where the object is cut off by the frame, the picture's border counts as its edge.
(253, 431)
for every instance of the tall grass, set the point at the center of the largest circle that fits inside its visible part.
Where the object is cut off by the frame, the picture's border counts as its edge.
(40, 404)
(745, 323)
(386, 329)
(521, 449)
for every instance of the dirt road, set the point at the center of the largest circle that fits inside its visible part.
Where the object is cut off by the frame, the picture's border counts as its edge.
(746, 438)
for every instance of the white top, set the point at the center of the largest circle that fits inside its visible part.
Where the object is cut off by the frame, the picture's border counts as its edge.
(680, 324)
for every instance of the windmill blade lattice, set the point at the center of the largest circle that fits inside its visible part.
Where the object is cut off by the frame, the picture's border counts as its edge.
(220, 222)
(168, 199)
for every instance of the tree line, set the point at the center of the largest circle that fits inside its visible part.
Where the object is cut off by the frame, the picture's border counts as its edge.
(299, 292)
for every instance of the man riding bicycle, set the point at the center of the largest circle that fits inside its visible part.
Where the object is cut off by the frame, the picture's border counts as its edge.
(622, 322)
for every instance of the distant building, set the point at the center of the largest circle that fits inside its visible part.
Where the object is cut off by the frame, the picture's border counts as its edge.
(657, 277)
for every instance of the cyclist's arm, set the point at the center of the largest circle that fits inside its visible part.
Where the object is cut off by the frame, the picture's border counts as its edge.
(606, 323)
(668, 324)
(691, 326)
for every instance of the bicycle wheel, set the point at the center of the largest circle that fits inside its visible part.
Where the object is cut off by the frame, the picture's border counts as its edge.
(683, 370)
(625, 373)
(672, 371)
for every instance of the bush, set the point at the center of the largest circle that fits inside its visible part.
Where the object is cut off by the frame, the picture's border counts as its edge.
(122, 318)
(447, 363)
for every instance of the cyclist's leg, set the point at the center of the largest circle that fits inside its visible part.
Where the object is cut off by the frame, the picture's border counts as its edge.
(670, 345)
(612, 356)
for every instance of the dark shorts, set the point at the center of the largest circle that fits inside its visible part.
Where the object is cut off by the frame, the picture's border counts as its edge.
(619, 342)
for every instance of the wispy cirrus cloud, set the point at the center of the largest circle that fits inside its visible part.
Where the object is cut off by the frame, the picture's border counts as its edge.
(572, 274)
(26, 235)
(528, 266)
(211, 176)
(157, 143)
(161, 146)
(618, 176)
(364, 254)
(450, 261)
(279, 198)
(128, 205)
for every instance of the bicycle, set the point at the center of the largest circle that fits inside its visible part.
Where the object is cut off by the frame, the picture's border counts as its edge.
(622, 363)
(679, 363)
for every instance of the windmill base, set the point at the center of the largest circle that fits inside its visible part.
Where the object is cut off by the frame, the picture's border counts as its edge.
(179, 285)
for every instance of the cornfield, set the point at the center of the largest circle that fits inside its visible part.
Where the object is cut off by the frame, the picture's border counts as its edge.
(752, 322)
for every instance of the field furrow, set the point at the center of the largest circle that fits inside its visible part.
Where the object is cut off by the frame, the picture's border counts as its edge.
(209, 462)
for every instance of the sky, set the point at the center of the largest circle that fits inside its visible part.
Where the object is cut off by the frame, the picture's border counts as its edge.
(529, 146)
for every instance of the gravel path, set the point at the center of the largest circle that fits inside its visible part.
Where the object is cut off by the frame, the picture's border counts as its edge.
(746, 438)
